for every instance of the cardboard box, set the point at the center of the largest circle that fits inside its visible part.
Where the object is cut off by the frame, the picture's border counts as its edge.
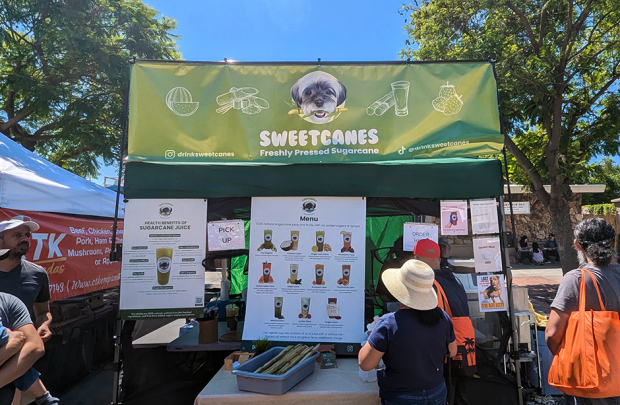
(241, 357)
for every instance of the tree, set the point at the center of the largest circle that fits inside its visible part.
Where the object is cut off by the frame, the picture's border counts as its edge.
(64, 71)
(604, 172)
(558, 73)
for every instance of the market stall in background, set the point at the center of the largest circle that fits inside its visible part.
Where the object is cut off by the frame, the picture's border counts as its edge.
(315, 171)
(76, 218)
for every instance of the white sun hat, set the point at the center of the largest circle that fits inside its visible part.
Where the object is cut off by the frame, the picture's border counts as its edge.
(19, 221)
(412, 285)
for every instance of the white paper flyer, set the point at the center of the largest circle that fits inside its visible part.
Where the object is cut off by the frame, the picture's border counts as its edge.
(487, 254)
(454, 218)
(484, 217)
(492, 293)
(164, 245)
(413, 232)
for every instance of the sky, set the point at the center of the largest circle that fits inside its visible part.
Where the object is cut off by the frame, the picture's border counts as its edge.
(284, 30)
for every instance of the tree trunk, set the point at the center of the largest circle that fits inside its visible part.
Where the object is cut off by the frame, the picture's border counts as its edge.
(28, 144)
(559, 210)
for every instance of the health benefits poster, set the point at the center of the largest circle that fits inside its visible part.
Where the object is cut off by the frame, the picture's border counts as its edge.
(306, 271)
(162, 274)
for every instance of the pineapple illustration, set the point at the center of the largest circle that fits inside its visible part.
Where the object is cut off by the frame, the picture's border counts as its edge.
(448, 102)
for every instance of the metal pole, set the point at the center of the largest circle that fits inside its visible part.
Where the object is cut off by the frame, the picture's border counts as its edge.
(511, 309)
(114, 256)
(507, 271)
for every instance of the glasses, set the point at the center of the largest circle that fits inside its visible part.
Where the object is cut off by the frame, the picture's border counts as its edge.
(23, 218)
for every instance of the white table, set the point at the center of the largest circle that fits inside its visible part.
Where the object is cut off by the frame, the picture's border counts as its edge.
(337, 386)
(189, 341)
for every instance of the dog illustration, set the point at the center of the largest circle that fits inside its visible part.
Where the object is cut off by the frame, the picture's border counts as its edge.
(494, 290)
(318, 95)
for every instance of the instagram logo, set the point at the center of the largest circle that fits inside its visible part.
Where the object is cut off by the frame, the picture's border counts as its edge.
(170, 154)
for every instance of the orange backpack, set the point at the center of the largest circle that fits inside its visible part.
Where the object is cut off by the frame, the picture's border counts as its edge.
(465, 359)
(588, 362)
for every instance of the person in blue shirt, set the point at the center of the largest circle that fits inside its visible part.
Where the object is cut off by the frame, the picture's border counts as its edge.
(550, 248)
(428, 252)
(413, 342)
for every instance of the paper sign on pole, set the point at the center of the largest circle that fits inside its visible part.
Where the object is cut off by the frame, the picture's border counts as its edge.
(492, 293)
(454, 218)
(484, 216)
(306, 274)
(226, 235)
(162, 274)
(487, 255)
(413, 232)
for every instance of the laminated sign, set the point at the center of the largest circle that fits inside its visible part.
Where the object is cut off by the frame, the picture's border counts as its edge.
(276, 113)
(306, 273)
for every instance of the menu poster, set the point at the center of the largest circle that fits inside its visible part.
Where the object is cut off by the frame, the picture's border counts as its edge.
(492, 293)
(164, 245)
(484, 216)
(306, 273)
(487, 255)
(413, 232)
(454, 218)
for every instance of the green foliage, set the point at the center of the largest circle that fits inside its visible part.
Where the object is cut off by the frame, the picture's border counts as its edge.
(604, 172)
(64, 70)
(600, 209)
(558, 73)
(261, 345)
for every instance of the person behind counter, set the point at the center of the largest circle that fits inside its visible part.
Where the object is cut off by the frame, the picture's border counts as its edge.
(395, 258)
(413, 341)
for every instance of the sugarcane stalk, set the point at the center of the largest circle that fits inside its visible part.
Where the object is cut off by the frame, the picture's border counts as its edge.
(275, 359)
(276, 366)
(293, 362)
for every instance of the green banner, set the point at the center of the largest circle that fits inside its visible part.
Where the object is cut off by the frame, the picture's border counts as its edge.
(183, 112)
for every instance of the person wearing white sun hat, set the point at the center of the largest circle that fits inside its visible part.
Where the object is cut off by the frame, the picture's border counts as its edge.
(413, 341)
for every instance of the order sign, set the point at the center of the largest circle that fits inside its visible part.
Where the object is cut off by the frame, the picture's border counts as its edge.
(226, 235)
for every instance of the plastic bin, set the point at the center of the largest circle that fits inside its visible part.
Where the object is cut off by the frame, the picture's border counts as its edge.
(247, 380)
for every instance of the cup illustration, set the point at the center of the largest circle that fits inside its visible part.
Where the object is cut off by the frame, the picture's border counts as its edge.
(278, 302)
(320, 240)
(231, 316)
(164, 263)
(305, 308)
(293, 275)
(333, 311)
(266, 277)
(294, 239)
(319, 269)
(401, 97)
(346, 241)
(346, 273)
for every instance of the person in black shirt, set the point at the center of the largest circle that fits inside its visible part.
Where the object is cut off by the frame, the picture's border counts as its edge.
(523, 252)
(550, 248)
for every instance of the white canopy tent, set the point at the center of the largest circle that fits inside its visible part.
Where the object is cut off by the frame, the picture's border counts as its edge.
(31, 183)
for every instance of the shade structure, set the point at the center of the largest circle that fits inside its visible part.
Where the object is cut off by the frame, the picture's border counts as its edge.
(30, 183)
(456, 178)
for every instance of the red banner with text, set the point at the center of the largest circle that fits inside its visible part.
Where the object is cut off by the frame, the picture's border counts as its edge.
(74, 251)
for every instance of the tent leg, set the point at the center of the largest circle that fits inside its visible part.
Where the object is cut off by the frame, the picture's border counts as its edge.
(511, 310)
(117, 362)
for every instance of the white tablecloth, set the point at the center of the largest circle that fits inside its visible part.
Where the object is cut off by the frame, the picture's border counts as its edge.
(341, 386)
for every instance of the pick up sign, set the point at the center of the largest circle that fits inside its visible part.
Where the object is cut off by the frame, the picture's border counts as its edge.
(226, 235)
